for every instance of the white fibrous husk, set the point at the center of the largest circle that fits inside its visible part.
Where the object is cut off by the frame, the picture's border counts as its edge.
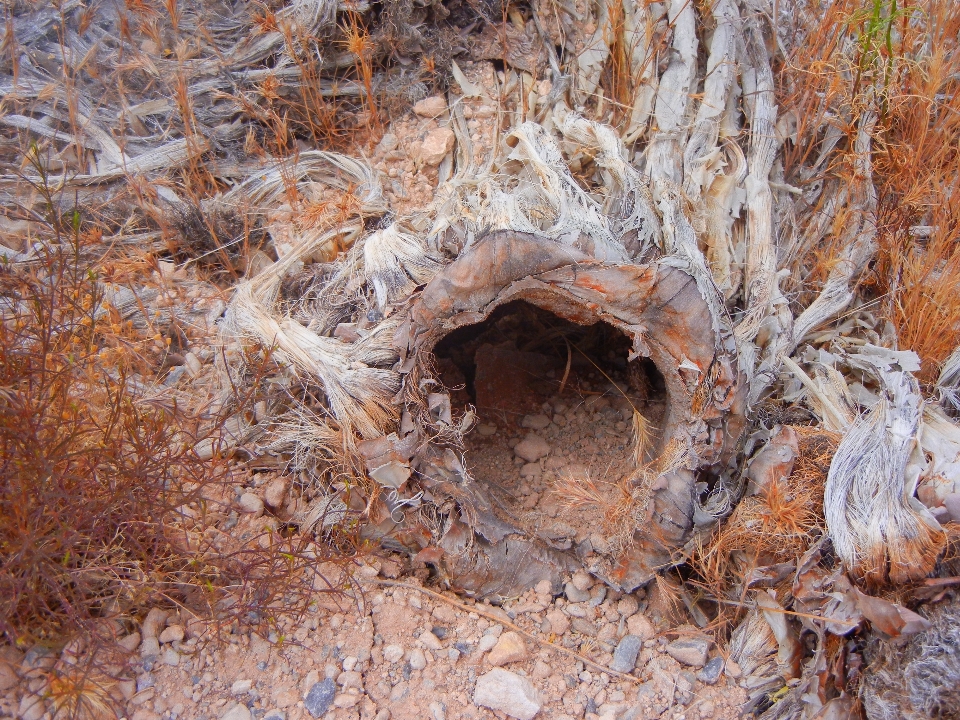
(558, 207)
(395, 263)
(753, 646)
(918, 680)
(879, 529)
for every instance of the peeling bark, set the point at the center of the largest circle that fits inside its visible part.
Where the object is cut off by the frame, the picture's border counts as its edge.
(661, 308)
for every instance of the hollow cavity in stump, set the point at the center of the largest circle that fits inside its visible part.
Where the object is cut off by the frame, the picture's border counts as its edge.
(555, 403)
(657, 319)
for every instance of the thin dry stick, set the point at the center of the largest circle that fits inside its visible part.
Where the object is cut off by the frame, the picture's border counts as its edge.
(566, 370)
(515, 628)
(809, 616)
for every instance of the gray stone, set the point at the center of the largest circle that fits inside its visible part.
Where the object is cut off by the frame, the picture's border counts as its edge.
(150, 647)
(532, 448)
(585, 627)
(237, 712)
(535, 422)
(170, 657)
(487, 430)
(241, 687)
(486, 643)
(438, 711)
(692, 652)
(320, 698)
(711, 671)
(507, 692)
(144, 681)
(275, 715)
(574, 594)
(625, 656)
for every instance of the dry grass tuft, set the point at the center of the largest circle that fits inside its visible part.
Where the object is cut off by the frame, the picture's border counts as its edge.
(82, 693)
(776, 526)
(106, 508)
(909, 60)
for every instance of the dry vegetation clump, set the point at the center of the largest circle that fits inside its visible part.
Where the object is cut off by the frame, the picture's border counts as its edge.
(774, 527)
(898, 66)
(108, 505)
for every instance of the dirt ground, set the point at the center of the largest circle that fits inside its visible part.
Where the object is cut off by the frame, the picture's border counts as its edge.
(407, 655)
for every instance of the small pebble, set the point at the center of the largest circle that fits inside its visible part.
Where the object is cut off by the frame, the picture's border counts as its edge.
(320, 698)
(250, 503)
(417, 659)
(625, 655)
(711, 671)
(241, 687)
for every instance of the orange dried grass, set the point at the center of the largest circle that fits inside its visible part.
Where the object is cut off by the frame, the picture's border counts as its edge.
(916, 141)
(778, 525)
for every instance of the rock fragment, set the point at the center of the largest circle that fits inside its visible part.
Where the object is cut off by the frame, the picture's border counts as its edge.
(250, 503)
(276, 493)
(320, 698)
(431, 641)
(532, 448)
(416, 658)
(171, 657)
(431, 107)
(559, 623)
(509, 648)
(625, 655)
(435, 147)
(711, 671)
(641, 626)
(174, 633)
(237, 712)
(535, 422)
(241, 687)
(582, 580)
(574, 594)
(507, 692)
(692, 652)
(628, 606)
(487, 642)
